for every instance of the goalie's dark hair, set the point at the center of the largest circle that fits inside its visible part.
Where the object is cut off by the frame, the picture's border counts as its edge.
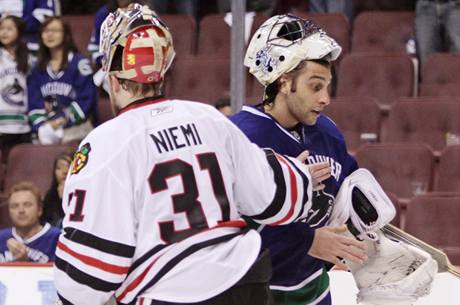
(272, 89)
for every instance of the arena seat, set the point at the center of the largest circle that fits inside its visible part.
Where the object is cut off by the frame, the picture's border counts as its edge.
(183, 31)
(104, 109)
(434, 220)
(427, 122)
(335, 24)
(358, 118)
(253, 88)
(201, 79)
(380, 31)
(432, 99)
(383, 76)
(440, 75)
(34, 163)
(448, 174)
(403, 169)
(454, 254)
(214, 37)
(399, 213)
(81, 27)
(4, 214)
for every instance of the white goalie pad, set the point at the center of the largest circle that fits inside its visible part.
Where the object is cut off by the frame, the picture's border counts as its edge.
(362, 200)
(394, 274)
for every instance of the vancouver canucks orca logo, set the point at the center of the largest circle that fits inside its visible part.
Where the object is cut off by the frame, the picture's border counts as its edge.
(321, 209)
(80, 158)
(13, 94)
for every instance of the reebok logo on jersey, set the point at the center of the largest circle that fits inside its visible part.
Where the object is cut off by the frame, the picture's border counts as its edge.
(80, 159)
(161, 110)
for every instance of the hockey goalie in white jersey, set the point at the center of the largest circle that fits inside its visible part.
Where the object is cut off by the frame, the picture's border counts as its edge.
(154, 197)
(396, 273)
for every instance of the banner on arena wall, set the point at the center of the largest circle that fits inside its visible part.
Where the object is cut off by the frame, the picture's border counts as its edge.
(27, 283)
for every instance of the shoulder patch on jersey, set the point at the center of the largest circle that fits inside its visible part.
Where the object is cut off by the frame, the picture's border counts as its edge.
(84, 66)
(80, 158)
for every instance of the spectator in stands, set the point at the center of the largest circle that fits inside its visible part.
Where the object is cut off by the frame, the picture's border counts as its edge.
(33, 12)
(14, 126)
(332, 6)
(223, 105)
(93, 46)
(437, 27)
(52, 204)
(27, 240)
(62, 95)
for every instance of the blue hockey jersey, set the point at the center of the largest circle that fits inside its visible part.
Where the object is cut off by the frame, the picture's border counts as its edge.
(72, 88)
(36, 11)
(41, 246)
(292, 267)
(34, 14)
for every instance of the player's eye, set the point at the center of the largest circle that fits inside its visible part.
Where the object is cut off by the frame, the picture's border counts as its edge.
(317, 87)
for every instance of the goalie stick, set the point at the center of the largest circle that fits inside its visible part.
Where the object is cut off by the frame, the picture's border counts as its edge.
(444, 264)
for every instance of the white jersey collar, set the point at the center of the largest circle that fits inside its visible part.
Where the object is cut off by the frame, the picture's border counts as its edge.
(39, 234)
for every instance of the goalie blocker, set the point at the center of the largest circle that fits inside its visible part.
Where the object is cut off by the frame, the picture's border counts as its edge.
(395, 273)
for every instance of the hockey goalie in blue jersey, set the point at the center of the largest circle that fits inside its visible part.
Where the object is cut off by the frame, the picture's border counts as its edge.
(61, 92)
(292, 58)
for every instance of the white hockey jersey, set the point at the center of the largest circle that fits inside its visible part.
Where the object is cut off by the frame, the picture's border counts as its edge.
(13, 96)
(154, 200)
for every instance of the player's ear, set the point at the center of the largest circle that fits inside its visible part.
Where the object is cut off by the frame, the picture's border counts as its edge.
(114, 84)
(285, 83)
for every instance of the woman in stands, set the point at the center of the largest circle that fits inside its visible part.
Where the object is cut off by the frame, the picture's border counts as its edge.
(14, 126)
(62, 96)
(52, 208)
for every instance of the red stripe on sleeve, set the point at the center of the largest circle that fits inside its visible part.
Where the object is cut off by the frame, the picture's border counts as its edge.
(136, 281)
(293, 184)
(93, 262)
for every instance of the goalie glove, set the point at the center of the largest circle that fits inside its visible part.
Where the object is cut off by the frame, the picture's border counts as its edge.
(394, 274)
(362, 204)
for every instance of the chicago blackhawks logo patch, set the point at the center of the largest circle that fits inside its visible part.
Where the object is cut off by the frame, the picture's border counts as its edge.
(80, 159)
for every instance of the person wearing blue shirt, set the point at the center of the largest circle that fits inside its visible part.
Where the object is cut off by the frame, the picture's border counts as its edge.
(33, 13)
(61, 93)
(292, 58)
(28, 240)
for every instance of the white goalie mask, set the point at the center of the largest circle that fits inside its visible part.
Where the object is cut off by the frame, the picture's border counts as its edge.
(282, 43)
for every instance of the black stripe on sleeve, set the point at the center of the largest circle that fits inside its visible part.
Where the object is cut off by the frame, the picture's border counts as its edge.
(84, 278)
(63, 300)
(101, 244)
(305, 182)
(146, 256)
(189, 251)
(280, 194)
